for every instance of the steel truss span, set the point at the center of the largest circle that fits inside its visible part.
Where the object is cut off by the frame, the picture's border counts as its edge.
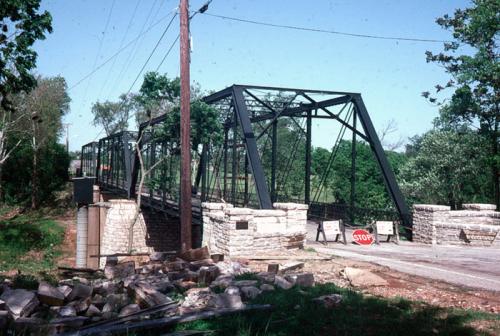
(247, 168)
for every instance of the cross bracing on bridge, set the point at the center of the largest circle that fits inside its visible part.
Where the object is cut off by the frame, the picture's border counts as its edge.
(249, 168)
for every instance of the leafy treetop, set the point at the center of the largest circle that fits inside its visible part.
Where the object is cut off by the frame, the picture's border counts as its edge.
(21, 25)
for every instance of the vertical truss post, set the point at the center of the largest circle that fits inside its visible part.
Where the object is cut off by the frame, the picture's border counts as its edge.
(163, 175)
(353, 167)
(98, 162)
(246, 198)
(135, 163)
(202, 172)
(111, 156)
(152, 161)
(95, 154)
(388, 174)
(307, 174)
(274, 156)
(251, 148)
(127, 157)
(234, 159)
(224, 186)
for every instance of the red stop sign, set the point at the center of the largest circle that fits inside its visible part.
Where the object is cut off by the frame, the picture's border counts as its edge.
(362, 237)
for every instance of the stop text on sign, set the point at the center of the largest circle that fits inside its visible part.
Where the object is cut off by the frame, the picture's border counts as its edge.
(362, 237)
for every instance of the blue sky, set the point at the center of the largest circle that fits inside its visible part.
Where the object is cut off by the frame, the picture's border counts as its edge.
(390, 75)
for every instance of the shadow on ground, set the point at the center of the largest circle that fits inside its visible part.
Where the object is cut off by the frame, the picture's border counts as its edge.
(297, 314)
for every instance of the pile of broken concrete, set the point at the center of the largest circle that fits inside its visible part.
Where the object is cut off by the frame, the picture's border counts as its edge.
(166, 285)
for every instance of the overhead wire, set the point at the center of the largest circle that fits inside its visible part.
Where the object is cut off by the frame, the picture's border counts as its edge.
(146, 62)
(121, 44)
(100, 45)
(326, 31)
(133, 51)
(109, 59)
(152, 52)
(201, 10)
(168, 52)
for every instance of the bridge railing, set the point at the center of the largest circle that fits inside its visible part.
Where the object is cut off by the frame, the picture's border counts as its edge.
(115, 161)
(88, 165)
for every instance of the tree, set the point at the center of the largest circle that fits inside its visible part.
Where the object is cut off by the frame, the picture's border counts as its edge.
(475, 76)
(52, 172)
(446, 167)
(389, 128)
(20, 26)
(158, 95)
(113, 116)
(42, 111)
(161, 95)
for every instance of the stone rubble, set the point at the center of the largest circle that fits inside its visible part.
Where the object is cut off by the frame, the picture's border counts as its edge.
(191, 283)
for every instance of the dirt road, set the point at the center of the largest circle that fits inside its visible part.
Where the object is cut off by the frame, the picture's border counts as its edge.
(474, 267)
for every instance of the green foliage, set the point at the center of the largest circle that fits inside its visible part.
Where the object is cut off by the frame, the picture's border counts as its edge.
(246, 276)
(32, 138)
(370, 186)
(205, 126)
(113, 116)
(295, 313)
(53, 166)
(29, 243)
(21, 26)
(472, 61)
(25, 281)
(158, 95)
(447, 167)
(290, 159)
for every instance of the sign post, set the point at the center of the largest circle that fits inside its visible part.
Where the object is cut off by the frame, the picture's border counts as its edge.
(330, 228)
(386, 228)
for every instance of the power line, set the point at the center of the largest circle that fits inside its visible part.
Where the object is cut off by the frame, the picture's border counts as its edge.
(168, 52)
(133, 51)
(146, 63)
(202, 9)
(152, 52)
(100, 44)
(317, 30)
(121, 44)
(117, 53)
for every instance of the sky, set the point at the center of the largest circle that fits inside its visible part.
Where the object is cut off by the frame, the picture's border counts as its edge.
(390, 75)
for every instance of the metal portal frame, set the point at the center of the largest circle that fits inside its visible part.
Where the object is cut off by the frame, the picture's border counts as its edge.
(246, 168)
(248, 105)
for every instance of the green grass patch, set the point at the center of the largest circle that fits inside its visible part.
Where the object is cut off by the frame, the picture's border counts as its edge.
(246, 276)
(29, 243)
(296, 314)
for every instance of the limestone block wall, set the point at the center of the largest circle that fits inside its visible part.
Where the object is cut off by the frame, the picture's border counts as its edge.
(153, 231)
(244, 231)
(440, 225)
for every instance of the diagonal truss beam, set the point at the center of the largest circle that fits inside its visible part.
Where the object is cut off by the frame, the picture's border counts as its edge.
(251, 149)
(385, 167)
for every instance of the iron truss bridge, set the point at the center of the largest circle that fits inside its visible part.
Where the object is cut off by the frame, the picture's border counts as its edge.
(267, 134)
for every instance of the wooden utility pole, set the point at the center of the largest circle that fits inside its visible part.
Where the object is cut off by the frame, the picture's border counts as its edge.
(185, 199)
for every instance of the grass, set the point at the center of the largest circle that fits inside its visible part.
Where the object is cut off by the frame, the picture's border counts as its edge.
(29, 243)
(246, 276)
(297, 314)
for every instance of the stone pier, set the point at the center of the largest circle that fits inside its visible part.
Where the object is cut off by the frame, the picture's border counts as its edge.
(244, 231)
(475, 225)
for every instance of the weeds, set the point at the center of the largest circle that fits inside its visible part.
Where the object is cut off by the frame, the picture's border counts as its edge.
(29, 243)
(246, 276)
